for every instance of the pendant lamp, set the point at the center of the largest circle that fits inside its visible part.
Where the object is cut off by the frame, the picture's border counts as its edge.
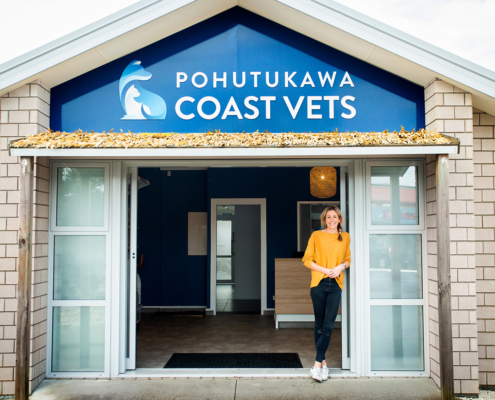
(323, 182)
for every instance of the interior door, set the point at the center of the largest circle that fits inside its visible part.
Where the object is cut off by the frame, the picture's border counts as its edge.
(345, 302)
(132, 179)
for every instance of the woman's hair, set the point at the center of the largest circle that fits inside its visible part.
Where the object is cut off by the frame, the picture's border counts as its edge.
(323, 218)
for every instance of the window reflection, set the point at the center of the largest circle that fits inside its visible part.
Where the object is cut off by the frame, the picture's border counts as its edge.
(395, 267)
(397, 338)
(394, 196)
(80, 196)
(79, 268)
(78, 339)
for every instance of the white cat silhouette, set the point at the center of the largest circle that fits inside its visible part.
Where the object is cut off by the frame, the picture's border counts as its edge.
(132, 106)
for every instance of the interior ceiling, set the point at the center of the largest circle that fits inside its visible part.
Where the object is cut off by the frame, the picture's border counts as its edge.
(201, 10)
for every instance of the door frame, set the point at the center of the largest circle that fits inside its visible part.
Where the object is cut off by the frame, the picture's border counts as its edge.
(119, 315)
(213, 248)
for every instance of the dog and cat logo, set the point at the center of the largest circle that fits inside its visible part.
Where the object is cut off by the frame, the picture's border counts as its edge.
(137, 102)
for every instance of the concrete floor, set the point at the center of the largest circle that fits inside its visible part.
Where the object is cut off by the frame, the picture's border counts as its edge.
(238, 389)
(160, 335)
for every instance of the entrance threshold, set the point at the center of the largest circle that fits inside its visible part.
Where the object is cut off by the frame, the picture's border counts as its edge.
(229, 373)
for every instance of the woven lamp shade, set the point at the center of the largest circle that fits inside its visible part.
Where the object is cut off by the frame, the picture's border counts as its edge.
(323, 182)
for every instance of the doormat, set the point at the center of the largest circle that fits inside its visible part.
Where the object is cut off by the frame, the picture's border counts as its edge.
(234, 360)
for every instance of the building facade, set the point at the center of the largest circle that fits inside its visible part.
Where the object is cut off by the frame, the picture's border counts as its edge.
(205, 68)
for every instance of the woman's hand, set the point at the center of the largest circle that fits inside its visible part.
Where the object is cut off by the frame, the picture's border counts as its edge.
(335, 272)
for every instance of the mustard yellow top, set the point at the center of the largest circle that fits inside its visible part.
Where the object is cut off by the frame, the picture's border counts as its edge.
(327, 251)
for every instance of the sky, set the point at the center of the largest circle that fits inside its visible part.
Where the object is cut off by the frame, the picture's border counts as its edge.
(463, 27)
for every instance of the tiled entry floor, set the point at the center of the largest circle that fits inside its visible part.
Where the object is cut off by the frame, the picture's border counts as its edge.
(160, 335)
(227, 304)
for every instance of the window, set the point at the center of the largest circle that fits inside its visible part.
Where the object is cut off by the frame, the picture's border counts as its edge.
(79, 268)
(395, 241)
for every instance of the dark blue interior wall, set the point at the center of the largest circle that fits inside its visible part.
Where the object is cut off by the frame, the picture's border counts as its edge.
(169, 276)
(172, 278)
(282, 188)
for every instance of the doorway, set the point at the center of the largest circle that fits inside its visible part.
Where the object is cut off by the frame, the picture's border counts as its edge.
(238, 263)
(176, 331)
(238, 256)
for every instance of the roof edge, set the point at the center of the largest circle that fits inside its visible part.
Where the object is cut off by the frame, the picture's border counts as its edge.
(84, 39)
(407, 38)
(457, 69)
(77, 34)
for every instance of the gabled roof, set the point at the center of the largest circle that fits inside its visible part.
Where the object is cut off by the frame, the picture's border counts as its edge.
(324, 20)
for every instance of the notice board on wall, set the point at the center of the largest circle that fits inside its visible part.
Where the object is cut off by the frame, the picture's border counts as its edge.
(197, 233)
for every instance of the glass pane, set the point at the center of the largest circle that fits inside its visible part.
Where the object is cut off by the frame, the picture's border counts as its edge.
(79, 268)
(78, 339)
(224, 238)
(224, 269)
(225, 210)
(394, 196)
(80, 195)
(309, 221)
(397, 338)
(395, 267)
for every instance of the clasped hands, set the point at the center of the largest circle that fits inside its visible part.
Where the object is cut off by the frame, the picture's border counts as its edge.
(335, 272)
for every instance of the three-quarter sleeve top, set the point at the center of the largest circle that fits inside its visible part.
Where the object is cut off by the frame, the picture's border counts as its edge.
(327, 251)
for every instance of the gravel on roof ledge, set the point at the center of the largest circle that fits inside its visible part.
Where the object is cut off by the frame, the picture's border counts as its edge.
(80, 139)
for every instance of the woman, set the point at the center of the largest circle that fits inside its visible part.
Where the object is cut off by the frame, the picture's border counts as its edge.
(327, 255)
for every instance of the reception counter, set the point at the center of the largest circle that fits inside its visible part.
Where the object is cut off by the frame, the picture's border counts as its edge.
(292, 292)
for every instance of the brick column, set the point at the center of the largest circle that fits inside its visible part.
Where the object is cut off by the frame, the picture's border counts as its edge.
(24, 111)
(484, 208)
(449, 111)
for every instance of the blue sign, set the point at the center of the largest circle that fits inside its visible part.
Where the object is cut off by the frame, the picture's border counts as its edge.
(237, 72)
(137, 102)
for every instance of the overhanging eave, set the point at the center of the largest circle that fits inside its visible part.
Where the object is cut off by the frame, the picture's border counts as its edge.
(244, 153)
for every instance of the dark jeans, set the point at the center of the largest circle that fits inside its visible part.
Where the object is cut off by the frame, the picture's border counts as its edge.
(326, 301)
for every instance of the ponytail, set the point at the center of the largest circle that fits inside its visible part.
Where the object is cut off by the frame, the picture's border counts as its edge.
(339, 228)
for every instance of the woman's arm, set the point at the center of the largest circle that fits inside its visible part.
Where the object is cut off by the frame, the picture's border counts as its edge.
(315, 267)
(346, 264)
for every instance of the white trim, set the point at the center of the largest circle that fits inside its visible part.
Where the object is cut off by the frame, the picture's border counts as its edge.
(344, 326)
(329, 12)
(213, 247)
(419, 229)
(226, 153)
(357, 270)
(398, 43)
(131, 360)
(85, 39)
(117, 260)
(299, 318)
(122, 276)
(228, 373)
(78, 231)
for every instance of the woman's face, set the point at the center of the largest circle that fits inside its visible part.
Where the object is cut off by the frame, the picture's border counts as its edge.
(332, 220)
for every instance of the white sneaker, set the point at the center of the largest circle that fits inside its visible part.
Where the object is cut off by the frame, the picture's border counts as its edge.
(324, 373)
(316, 374)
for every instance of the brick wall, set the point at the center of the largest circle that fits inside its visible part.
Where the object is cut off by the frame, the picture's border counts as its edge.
(449, 111)
(23, 112)
(484, 197)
